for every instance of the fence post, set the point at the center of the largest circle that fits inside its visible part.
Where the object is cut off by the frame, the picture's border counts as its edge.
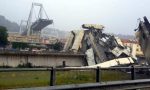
(97, 74)
(52, 76)
(132, 73)
(64, 64)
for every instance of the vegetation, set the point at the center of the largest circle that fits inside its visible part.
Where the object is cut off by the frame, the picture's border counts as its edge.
(26, 65)
(19, 45)
(41, 78)
(58, 46)
(23, 79)
(5, 66)
(3, 37)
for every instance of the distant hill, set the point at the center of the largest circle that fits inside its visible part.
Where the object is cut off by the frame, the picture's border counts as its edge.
(63, 34)
(122, 36)
(125, 36)
(14, 27)
(46, 32)
(11, 26)
(54, 32)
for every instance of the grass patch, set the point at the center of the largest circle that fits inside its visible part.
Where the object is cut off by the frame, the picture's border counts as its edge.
(23, 79)
(114, 75)
(41, 78)
(74, 77)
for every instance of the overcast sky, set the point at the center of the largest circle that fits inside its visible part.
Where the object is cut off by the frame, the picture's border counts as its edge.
(118, 16)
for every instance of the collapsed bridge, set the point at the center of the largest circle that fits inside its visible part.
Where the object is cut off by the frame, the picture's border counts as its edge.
(40, 22)
(99, 47)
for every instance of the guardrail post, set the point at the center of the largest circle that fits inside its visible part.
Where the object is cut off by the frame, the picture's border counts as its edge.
(97, 74)
(64, 64)
(132, 73)
(52, 76)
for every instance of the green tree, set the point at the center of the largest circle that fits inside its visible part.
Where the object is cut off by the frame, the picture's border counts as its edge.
(58, 46)
(3, 36)
(19, 45)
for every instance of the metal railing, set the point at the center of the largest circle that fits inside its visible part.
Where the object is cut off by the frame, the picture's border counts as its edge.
(96, 73)
(18, 52)
(143, 84)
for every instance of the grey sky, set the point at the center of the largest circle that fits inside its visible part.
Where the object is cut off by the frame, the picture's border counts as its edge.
(118, 16)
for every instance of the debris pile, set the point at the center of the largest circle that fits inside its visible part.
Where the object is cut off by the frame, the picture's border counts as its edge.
(99, 47)
(143, 35)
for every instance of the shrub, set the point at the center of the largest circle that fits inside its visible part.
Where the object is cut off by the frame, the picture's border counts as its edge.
(26, 65)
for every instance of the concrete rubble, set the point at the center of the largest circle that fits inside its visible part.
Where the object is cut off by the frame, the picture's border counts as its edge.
(143, 36)
(99, 47)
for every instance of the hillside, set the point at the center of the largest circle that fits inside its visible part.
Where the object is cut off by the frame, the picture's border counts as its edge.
(11, 26)
(14, 27)
(54, 32)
